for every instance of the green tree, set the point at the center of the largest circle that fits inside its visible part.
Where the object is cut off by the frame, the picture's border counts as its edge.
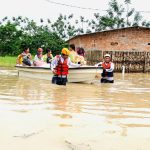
(117, 16)
(9, 39)
(19, 32)
(63, 27)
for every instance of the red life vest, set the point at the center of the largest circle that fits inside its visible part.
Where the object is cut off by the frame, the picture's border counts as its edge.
(106, 65)
(62, 68)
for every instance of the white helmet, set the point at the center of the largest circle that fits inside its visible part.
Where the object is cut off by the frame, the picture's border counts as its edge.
(107, 55)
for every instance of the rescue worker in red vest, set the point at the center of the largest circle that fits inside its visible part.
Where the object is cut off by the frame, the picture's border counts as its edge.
(60, 66)
(108, 70)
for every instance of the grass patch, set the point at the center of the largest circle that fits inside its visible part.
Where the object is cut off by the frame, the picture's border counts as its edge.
(8, 61)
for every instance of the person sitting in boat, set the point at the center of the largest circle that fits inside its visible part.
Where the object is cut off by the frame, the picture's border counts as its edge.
(48, 56)
(39, 59)
(60, 66)
(73, 53)
(74, 57)
(108, 70)
(24, 58)
(80, 56)
(80, 51)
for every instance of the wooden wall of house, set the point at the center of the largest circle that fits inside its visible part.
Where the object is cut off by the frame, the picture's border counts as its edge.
(136, 61)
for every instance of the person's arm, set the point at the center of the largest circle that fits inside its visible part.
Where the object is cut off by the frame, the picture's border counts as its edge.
(54, 64)
(51, 55)
(111, 68)
(30, 56)
(98, 64)
(73, 64)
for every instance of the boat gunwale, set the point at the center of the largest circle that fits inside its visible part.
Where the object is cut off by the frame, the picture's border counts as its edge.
(46, 68)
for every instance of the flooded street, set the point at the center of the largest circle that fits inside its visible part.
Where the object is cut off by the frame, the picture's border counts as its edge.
(36, 115)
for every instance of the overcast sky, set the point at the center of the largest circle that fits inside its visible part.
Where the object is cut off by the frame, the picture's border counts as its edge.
(36, 9)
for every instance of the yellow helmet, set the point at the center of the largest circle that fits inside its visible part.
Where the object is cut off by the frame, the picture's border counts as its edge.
(65, 51)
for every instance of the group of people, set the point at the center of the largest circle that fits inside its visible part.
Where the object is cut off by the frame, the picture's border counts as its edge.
(60, 66)
(40, 59)
(60, 63)
(77, 54)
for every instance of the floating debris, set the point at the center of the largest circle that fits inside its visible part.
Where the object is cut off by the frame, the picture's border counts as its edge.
(81, 146)
(24, 136)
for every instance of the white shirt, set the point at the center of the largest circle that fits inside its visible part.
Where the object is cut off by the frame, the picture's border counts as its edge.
(108, 70)
(36, 58)
(54, 62)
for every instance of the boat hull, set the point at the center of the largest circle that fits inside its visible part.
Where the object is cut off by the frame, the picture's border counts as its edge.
(85, 74)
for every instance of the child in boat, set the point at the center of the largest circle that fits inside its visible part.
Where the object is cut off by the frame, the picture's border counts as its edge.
(80, 51)
(80, 56)
(60, 66)
(48, 56)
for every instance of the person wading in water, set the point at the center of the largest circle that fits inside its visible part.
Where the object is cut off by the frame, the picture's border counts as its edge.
(108, 70)
(60, 66)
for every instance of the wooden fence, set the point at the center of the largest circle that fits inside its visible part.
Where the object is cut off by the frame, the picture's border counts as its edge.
(136, 61)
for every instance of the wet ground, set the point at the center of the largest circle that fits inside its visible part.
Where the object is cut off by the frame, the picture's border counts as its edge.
(36, 115)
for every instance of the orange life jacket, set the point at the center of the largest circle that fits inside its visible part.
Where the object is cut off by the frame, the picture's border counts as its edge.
(106, 65)
(62, 68)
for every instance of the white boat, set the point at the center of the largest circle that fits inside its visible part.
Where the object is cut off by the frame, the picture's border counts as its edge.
(84, 74)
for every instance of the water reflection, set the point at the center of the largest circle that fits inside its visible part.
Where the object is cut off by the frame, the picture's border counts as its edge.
(120, 109)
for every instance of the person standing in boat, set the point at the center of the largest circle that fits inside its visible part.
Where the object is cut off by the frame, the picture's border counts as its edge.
(60, 66)
(108, 69)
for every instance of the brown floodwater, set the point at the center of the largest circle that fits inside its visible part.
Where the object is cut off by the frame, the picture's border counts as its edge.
(36, 115)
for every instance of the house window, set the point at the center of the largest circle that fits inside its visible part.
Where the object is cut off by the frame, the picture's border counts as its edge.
(114, 43)
(94, 43)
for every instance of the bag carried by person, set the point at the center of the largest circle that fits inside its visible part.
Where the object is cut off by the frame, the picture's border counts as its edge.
(26, 61)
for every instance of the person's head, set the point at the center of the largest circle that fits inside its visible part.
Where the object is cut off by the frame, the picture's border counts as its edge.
(26, 50)
(39, 51)
(107, 58)
(72, 47)
(65, 53)
(81, 51)
(48, 50)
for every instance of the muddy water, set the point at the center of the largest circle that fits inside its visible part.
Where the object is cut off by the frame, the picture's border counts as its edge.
(37, 115)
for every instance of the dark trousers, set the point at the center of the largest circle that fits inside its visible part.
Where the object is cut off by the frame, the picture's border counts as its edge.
(106, 81)
(59, 80)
